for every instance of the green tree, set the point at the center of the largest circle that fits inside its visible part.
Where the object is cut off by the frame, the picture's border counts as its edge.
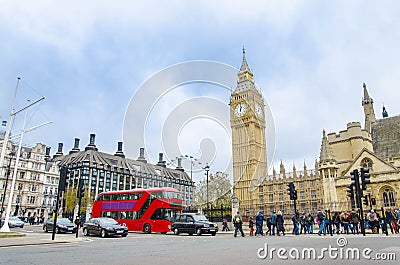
(71, 200)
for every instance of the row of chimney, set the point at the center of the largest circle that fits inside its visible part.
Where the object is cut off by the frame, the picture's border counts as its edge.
(120, 153)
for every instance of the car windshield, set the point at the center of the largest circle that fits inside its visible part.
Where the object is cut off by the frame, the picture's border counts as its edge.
(63, 221)
(14, 219)
(108, 221)
(200, 217)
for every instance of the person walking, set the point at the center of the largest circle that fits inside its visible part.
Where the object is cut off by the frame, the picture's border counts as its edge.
(321, 219)
(259, 223)
(373, 221)
(273, 222)
(336, 222)
(279, 223)
(296, 221)
(269, 225)
(225, 226)
(303, 223)
(354, 220)
(238, 222)
(251, 226)
(310, 223)
(344, 219)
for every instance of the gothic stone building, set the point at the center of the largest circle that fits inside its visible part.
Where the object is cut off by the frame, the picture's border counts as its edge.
(376, 146)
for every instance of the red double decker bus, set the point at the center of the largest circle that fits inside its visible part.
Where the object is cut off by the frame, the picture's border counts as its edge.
(146, 210)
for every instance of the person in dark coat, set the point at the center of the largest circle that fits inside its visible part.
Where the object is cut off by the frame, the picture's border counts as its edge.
(279, 223)
(259, 224)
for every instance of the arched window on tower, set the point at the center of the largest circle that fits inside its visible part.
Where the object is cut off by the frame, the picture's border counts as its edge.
(388, 198)
(366, 163)
(385, 199)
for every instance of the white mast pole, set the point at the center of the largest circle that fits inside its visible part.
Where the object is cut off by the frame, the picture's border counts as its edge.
(8, 128)
(5, 227)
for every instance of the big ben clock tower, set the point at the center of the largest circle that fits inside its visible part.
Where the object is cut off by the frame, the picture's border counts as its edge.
(249, 148)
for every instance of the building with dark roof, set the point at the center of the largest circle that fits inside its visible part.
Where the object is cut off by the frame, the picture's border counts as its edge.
(111, 172)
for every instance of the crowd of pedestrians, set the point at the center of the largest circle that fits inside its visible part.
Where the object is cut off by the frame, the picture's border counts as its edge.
(347, 222)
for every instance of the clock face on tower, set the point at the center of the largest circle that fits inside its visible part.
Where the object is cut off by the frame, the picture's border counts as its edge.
(240, 109)
(259, 110)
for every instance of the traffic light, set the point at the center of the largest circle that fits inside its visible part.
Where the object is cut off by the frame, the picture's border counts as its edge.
(354, 178)
(63, 179)
(81, 189)
(365, 200)
(365, 178)
(292, 192)
(373, 201)
(350, 194)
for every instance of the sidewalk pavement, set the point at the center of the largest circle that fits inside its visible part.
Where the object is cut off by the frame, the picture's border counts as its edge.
(8, 239)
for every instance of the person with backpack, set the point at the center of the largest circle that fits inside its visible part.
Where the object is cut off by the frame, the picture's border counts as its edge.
(237, 222)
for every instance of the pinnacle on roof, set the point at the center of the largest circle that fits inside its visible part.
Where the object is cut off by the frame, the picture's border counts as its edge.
(326, 150)
(366, 96)
(384, 112)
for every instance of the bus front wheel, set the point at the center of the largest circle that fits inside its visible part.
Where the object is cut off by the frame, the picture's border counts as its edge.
(147, 229)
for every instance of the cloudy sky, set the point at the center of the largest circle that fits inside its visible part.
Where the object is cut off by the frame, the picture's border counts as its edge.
(89, 58)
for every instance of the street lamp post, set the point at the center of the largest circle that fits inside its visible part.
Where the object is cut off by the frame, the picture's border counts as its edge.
(192, 160)
(207, 168)
(8, 175)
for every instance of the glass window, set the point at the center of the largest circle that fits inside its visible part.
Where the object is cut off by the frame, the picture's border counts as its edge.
(391, 199)
(313, 194)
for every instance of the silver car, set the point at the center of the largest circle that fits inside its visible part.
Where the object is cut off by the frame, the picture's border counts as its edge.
(13, 222)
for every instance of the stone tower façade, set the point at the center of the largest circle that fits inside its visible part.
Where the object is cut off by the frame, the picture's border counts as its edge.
(249, 151)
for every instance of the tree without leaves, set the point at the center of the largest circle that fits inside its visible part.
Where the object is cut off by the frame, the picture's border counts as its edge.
(219, 191)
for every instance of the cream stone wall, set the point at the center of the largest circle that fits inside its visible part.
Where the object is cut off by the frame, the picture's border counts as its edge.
(348, 143)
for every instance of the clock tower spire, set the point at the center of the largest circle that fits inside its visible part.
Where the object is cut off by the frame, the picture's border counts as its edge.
(245, 76)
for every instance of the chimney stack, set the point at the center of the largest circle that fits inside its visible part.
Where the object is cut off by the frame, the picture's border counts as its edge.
(119, 150)
(161, 163)
(141, 157)
(179, 167)
(59, 150)
(76, 146)
(92, 145)
(47, 156)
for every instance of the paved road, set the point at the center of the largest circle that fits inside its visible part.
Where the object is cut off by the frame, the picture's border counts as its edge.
(140, 248)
